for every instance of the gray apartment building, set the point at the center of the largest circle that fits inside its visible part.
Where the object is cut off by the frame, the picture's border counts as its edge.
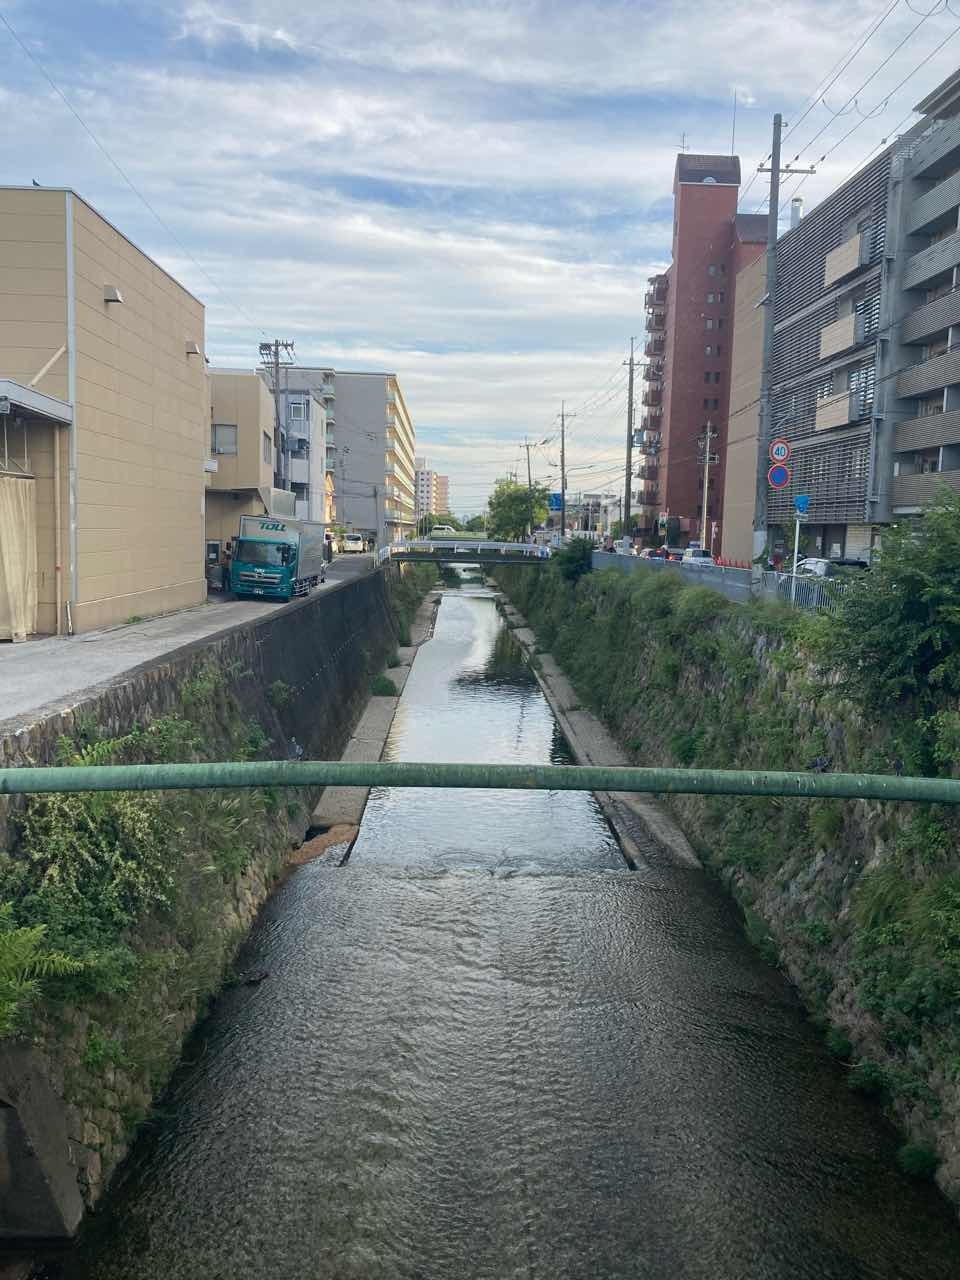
(370, 445)
(865, 372)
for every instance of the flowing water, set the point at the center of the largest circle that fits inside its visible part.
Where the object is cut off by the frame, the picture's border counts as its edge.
(485, 1049)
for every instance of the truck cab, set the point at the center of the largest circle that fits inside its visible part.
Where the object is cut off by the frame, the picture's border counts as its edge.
(276, 559)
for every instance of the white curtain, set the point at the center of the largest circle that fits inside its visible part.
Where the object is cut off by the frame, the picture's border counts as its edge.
(18, 557)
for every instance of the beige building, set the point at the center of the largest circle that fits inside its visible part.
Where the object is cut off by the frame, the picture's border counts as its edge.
(242, 427)
(740, 477)
(426, 490)
(103, 467)
(443, 495)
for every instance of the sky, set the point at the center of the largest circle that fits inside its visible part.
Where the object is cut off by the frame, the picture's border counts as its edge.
(468, 194)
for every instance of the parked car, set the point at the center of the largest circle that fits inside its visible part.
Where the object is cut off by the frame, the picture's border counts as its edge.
(353, 542)
(673, 553)
(697, 555)
(821, 567)
(442, 531)
(624, 547)
(651, 553)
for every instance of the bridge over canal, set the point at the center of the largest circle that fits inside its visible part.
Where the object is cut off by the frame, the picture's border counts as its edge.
(466, 551)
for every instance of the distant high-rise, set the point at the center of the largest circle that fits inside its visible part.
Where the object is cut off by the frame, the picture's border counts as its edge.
(689, 339)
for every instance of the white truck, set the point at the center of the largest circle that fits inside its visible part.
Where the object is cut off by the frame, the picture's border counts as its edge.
(277, 558)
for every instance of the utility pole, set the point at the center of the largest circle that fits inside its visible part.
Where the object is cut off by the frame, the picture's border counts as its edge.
(765, 432)
(526, 445)
(563, 469)
(628, 476)
(270, 358)
(708, 460)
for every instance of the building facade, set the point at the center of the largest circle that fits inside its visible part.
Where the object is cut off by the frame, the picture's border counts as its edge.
(371, 447)
(443, 495)
(426, 490)
(865, 375)
(689, 338)
(306, 451)
(105, 385)
(743, 414)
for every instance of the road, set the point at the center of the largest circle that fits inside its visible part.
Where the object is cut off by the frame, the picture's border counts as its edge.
(40, 676)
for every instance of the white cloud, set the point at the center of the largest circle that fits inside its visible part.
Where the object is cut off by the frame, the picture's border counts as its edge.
(469, 193)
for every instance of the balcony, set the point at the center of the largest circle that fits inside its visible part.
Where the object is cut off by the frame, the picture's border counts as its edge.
(843, 334)
(327, 391)
(299, 471)
(653, 396)
(654, 347)
(921, 490)
(654, 298)
(930, 375)
(942, 141)
(647, 471)
(934, 204)
(653, 372)
(932, 261)
(931, 317)
(650, 423)
(837, 411)
(656, 321)
(928, 432)
(644, 513)
(847, 258)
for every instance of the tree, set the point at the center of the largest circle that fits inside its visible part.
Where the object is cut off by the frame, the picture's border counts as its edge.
(476, 524)
(897, 630)
(514, 508)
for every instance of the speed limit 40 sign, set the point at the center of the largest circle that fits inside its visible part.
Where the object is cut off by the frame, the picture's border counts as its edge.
(779, 450)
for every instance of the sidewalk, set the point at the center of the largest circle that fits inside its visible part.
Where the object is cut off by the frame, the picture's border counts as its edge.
(40, 676)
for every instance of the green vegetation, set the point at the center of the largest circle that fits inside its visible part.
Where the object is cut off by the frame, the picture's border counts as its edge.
(514, 508)
(406, 592)
(575, 559)
(861, 899)
(918, 1160)
(383, 687)
(394, 659)
(476, 524)
(279, 694)
(110, 898)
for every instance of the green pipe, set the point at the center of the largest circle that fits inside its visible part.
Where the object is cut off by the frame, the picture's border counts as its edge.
(534, 777)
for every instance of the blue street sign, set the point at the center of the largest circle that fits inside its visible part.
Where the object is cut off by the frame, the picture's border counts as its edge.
(556, 502)
(778, 476)
(801, 503)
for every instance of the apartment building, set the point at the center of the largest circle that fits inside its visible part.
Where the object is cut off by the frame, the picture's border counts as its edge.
(743, 414)
(104, 423)
(426, 490)
(443, 495)
(305, 457)
(865, 372)
(689, 337)
(374, 454)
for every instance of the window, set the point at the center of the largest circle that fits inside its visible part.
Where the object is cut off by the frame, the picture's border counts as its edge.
(213, 553)
(929, 405)
(706, 403)
(298, 410)
(223, 438)
(721, 296)
(825, 387)
(267, 448)
(716, 378)
(708, 351)
(706, 377)
(723, 269)
(712, 269)
(709, 322)
(716, 403)
(711, 297)
(720, 322)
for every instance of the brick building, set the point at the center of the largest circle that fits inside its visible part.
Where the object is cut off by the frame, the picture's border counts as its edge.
(689, 327)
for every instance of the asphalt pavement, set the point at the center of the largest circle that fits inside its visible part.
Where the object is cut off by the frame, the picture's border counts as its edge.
(44, 675)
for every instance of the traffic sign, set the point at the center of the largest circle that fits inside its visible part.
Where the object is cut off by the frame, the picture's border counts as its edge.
(801, 503)
(780, 450)
(556, 502)
(779, 476)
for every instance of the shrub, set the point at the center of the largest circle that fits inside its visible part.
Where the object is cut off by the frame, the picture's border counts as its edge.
(25, 960)
(839, 1044)
(575, 559)
(870, 1079)
(383, 687)
(279, 694)
(697, 606)
(918, 1160)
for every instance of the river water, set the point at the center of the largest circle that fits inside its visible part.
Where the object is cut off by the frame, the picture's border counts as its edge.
(485, 1049)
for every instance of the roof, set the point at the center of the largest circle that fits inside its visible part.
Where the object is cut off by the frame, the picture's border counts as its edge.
(723, 169)
(944, 101)
(36, 402)
(751, 228)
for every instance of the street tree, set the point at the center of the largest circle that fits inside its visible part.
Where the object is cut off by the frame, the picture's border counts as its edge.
(476, 524)
(515, 507)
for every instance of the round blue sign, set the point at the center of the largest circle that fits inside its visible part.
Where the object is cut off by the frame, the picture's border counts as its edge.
(779, 476)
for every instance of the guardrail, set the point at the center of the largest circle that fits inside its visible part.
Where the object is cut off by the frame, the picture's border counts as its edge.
(804, 592)
(466, 546)
(533, 777)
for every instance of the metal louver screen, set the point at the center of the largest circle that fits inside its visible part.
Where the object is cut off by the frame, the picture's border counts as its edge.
(834, 473)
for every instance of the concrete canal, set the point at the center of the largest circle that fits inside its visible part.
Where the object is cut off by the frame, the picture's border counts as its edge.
(484, 1048)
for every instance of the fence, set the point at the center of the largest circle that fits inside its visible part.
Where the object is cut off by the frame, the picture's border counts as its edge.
(735, 584)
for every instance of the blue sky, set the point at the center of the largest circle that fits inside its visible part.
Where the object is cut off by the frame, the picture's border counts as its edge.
(471, 194)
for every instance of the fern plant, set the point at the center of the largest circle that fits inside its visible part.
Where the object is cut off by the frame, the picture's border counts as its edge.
(24, 963)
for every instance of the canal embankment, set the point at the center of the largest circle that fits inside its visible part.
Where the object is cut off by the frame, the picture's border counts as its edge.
(125, 911)
(858, 901)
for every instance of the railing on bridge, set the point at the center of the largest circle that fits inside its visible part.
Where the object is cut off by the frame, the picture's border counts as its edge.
(460, 549)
